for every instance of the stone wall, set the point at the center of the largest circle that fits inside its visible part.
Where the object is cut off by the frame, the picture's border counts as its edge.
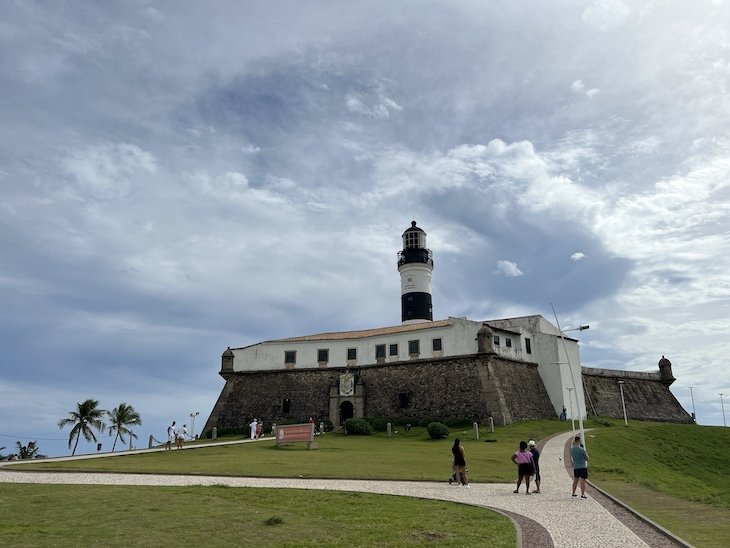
(645, 395)
(475, 386)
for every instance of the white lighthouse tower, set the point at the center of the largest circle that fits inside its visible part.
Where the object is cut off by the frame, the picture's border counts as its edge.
(415, 264)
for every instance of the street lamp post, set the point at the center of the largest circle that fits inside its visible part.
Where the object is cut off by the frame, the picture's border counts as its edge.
(570, 402)
(572, 374)
(723, 411)
(623, 402)
(192, 424)
(691, 395)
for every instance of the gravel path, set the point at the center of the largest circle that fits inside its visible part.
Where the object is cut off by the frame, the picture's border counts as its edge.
(551, 518)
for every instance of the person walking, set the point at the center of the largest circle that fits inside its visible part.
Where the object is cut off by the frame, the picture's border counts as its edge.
(579, 457)
(170, 435)
(523, 459)
(181, 433)
(460, 463)
(253, 426)
(532, 446)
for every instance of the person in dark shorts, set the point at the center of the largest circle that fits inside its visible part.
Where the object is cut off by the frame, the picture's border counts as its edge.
(525, 468)
(459, 463)
(580, 466)
(532, 446)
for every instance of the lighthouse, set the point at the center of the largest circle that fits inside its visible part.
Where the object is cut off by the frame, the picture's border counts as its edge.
(415, 264)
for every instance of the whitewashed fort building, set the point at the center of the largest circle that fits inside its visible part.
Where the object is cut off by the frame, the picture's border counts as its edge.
(508, 369)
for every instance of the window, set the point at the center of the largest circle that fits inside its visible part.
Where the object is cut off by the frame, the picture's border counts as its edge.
(393, 350)
(496, 340)
(323, 355)
(285, 405)
(437, 345)
(528, 348)
(352, 353)
(403, 400)
(290, 356)
(379, 351)
(414, 347)
(508, 342)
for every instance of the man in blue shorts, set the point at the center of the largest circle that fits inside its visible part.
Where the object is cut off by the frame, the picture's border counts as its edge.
(580, 466)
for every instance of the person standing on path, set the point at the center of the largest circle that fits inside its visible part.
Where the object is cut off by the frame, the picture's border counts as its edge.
(181, 433)
(532, 446)
(253, 426)
(525, 468)
(170, 435)
(579, 457)
(460, 463)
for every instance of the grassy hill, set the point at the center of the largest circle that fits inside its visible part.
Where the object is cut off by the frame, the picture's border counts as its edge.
(674, 474)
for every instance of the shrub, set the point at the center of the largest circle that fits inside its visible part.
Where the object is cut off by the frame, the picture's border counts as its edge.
(425, 421)
(402, 421)
(358, 427)
(437, 430)
(327, 424)
(232, 431)
(458, 422)
(379, 424)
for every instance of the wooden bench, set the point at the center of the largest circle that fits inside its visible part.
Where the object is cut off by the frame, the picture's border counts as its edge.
(292, 433)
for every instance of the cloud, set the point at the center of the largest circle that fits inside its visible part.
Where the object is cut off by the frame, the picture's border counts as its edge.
(579, 87)
(508, 268)
(577, 256)
(606, 15)
(109, 170)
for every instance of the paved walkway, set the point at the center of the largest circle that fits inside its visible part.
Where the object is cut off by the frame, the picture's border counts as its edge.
(569, 521)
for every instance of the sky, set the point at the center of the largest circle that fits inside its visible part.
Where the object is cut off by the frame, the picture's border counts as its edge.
(177, 177)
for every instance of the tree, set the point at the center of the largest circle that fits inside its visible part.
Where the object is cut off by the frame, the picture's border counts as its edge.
(29, 451)
(120, 418)
(85, 417)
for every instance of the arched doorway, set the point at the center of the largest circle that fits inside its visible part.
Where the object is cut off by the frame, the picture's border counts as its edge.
(346, 411)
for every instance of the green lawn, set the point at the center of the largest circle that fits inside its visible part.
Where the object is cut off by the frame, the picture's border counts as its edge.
(82, 515)
(677, 475)
(674, 474)
(338, 456)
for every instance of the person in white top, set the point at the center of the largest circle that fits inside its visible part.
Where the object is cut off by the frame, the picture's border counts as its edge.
(170, 435)
(181, 433)
(254, 424)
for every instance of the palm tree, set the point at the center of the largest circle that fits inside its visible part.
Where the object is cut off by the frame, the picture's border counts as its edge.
(84, 418)
(29, 451)
(120, 417)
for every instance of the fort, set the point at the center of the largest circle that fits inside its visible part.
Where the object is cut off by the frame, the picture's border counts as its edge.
(508, 369)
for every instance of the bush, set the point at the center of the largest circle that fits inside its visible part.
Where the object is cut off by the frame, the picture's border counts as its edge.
(425, 421)
(358, 427)
(458, 422)
(437, 430)
(327, 424)
(402, 421)
(231, 431)
(379, 424)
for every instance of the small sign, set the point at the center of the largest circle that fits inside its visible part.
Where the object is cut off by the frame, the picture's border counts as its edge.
(292, 433)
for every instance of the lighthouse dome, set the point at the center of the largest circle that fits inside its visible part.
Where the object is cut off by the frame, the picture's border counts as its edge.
(414, 237)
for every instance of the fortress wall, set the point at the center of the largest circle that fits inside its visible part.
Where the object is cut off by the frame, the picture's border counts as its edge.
(523, 390)
(646, 397)
(474, 386)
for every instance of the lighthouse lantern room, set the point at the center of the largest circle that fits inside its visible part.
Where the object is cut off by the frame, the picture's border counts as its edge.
(415, 264)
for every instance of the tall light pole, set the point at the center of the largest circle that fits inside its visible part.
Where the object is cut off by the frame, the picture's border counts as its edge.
(570, 402)
(723, 411)
(691, 395)
(623, 403)
(572, 378)
(192, 424)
